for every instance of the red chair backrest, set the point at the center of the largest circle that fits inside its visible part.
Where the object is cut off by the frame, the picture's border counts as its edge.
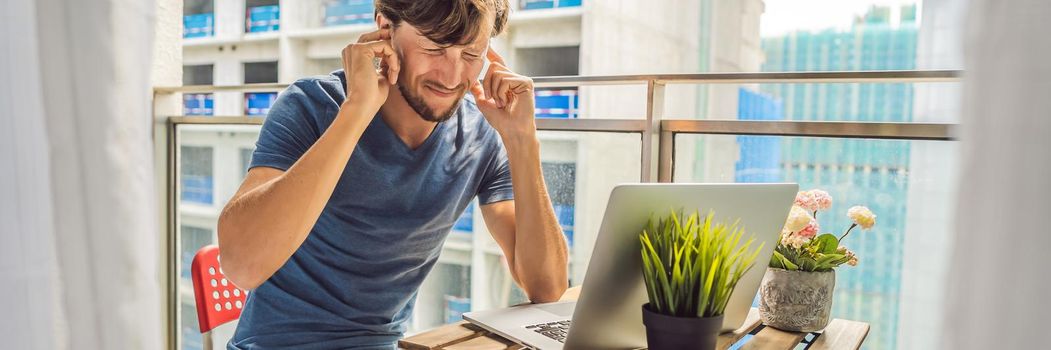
(218, 300)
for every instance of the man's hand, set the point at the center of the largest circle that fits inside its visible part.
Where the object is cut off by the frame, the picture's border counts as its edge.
(366, 85)
(505, 98)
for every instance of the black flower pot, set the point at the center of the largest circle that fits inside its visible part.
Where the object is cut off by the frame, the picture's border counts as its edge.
(670, 332)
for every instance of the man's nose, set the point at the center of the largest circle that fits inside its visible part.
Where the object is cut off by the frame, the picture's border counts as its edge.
(450, 73)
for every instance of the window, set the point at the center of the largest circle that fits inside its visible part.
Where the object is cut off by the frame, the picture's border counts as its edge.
(552, 61)
(189, 328)
(548, 61)
(342, 12)
(191, 240)
(260, 72)
(198, 103)
(906, 183)
(219, 154)
(196, 174)
(258, 103)
(198, 19)
(557, 103)
(198, 74)
(546, 4)
(466, 221)
(262, 16)
(561, 181)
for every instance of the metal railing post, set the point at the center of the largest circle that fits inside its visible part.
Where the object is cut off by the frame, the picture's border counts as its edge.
(666, 165)
(171, 237)
(652, 135)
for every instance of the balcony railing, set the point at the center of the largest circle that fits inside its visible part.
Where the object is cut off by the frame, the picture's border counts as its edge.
(657, 133)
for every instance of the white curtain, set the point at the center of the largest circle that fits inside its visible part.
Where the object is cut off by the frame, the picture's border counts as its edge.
(1000, 281)
(78, 239)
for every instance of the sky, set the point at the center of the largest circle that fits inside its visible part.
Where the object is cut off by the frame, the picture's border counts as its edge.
(783, 16)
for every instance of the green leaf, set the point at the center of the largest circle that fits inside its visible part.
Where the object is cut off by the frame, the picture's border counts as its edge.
(826, 258)
(826, 243)
(647, 275)
(788, 265)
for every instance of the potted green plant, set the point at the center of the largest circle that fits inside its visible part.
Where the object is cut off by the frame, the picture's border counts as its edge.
(796, 292)
(690, 270)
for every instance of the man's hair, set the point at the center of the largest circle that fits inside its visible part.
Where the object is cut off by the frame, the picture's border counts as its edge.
(446, 22)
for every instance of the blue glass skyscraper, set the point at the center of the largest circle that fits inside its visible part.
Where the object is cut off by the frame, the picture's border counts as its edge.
(855, 172)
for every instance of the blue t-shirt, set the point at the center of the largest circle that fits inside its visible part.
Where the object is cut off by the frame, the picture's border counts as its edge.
(353, 281)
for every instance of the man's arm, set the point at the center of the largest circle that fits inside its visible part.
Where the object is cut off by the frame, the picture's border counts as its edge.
(273, 211)
(526, 228)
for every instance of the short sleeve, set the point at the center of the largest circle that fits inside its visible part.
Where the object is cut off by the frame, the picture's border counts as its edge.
(496, 181)
(289, 131)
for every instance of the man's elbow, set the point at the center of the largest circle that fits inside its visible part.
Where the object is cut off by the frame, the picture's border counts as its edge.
(241, 279)
(235, 267)
(548, 290)
(238, 271)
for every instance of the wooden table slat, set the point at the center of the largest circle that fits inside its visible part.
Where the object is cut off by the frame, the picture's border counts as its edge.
(841, 334)
(486, 342)
(442, 336)
(770, 338)
(750, 322)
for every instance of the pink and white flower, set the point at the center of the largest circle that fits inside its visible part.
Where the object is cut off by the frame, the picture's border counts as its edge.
(798, 218)
(806, 201)
(822, 200)
(810, 230)
(862, 216)
(794, 240)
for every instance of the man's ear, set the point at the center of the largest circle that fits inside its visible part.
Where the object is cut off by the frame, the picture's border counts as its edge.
(382, 21)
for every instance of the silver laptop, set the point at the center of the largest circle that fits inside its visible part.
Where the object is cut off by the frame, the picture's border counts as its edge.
(608, 313)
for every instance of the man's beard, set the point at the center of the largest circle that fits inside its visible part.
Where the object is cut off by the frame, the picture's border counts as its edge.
(421, 108)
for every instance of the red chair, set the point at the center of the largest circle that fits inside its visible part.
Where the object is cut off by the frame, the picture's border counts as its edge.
(218, 300)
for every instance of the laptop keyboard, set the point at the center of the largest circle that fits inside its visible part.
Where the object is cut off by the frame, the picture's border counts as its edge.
(554, 330)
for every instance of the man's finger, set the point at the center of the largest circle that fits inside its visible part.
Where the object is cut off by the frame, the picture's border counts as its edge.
(393, 63)
(502, 88)
(520, 85)
(381, 34)
(507, 84)
(494, 67)
(488, 84)
(366, 52)
(493, 85)
(484, 104)
(478, 92)
(514, 87)
(380, 49)
(498, 67)
(495, 57)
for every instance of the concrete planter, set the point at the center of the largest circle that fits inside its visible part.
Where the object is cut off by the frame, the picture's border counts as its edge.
(796, 300)
(665, 332)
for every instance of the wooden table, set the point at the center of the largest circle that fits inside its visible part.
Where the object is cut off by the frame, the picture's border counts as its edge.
(840, 334)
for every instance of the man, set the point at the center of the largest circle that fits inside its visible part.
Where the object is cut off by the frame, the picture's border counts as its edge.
(358, 177)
